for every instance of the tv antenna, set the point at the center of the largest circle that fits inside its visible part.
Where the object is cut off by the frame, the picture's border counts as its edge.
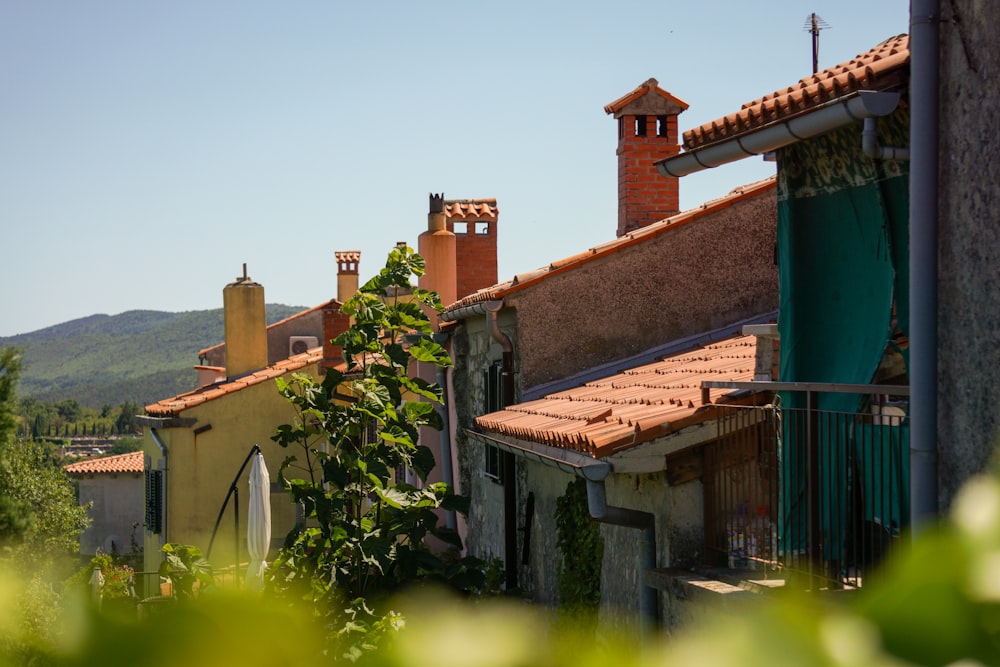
(815, 23)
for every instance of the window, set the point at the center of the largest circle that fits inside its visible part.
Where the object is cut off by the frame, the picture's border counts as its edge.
(482, 228)
(154, 501)
(460, 228)
(494, 402)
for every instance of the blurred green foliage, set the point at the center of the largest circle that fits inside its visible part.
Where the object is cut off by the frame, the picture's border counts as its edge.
(935, 604)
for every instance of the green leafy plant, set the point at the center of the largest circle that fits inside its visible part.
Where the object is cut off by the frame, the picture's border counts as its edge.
(581, 550)
(367, 531)
(184, 566)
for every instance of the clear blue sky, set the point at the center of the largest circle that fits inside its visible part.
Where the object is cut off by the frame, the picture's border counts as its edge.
(148, 149)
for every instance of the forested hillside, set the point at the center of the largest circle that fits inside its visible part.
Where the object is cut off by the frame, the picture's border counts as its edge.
(138, 356)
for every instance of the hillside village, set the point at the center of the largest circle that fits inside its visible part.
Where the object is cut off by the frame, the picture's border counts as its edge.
(775, 386)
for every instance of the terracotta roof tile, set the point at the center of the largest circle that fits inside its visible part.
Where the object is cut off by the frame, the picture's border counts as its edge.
(878, 69)
(644, 88)
(170, 407)
(340, 256)
(626, 409)
(109, 465)
(471, 208)
(528, 278)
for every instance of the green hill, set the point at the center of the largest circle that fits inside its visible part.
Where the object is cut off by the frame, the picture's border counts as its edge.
(140, 355)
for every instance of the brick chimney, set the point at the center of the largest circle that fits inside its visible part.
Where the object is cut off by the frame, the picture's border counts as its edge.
(245, 326)
(438, 247)
(474, 224)
(334, 324)
(647, 133)
(347, 273)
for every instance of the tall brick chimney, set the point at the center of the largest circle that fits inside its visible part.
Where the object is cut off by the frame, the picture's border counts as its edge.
(438, 247)
(647, 133)
(245, 326)
(474, 224)
(347, 273)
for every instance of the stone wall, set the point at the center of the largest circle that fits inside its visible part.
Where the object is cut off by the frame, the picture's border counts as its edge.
(969, 241)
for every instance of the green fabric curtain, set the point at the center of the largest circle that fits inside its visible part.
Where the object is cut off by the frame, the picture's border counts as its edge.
(842, 259)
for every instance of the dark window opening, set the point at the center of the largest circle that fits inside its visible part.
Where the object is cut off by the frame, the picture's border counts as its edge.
(661, 126)
(494, 402)
(640, 126)
(621, 128)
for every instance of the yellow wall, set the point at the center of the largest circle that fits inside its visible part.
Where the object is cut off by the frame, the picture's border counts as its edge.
(200, 470)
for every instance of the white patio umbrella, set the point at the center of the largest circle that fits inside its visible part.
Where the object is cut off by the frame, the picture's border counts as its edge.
(258, 522)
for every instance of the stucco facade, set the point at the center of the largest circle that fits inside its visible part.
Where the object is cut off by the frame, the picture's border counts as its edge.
(202, 450)
(675, 283)
(117, 507)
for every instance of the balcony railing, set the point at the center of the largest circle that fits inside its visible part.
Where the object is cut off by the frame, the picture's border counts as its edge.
(804, 486)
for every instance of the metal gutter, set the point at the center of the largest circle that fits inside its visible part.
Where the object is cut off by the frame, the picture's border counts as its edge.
(923, 335)
(810, 123)
(566, 460)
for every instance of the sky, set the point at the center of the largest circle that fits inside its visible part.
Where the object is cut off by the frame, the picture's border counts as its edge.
(148, 150)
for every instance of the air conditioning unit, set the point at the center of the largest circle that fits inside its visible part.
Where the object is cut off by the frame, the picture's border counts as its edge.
(300, 344)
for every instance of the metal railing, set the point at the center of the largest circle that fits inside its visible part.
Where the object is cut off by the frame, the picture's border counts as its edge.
(800, 486)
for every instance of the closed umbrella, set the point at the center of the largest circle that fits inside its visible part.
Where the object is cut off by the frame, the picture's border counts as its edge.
(259, 522)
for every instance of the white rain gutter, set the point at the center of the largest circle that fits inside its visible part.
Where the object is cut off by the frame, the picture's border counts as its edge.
(923, 334)
(814, 122)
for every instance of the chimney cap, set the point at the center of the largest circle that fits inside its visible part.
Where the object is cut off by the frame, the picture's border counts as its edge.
(245, 279)
(436, 203)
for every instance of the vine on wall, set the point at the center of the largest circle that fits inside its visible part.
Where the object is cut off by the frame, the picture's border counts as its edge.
(581, 551)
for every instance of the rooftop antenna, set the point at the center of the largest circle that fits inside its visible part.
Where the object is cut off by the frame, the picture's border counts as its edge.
(815, 23)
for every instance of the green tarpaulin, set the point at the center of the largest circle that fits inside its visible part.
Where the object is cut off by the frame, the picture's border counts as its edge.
(842, 263)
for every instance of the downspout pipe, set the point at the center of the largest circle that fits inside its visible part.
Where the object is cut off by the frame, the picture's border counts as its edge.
(645, 523)
(447, 473)
(871, 148)
(820, 120)
(924, 74)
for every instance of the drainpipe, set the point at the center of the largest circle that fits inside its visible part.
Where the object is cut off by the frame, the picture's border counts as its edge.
(924, 18)
(447, 473)
(871, 148)
(645, 522)
(509, 470)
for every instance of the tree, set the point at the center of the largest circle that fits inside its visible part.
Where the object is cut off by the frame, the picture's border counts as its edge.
(15, 517)
(367, 531)
(126, 422)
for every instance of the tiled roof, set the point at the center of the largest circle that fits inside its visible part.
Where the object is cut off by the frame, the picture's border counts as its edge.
(325, 304)
(171, 407)
(623, 410)
(522, 280)
(341, 256)
(471, 208)
(648, 86)
(883, 67)
(122, 463)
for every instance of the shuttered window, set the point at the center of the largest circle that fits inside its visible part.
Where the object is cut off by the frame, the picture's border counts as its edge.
(154, 501)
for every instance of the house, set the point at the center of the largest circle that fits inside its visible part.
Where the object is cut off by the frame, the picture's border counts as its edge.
(194, 443)
(841, 140)
(114, 486)
(591, 366)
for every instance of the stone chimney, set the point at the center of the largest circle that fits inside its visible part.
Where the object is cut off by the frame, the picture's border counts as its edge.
(347, 273)
(245, 326)
(647, 133)
(437, 246)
